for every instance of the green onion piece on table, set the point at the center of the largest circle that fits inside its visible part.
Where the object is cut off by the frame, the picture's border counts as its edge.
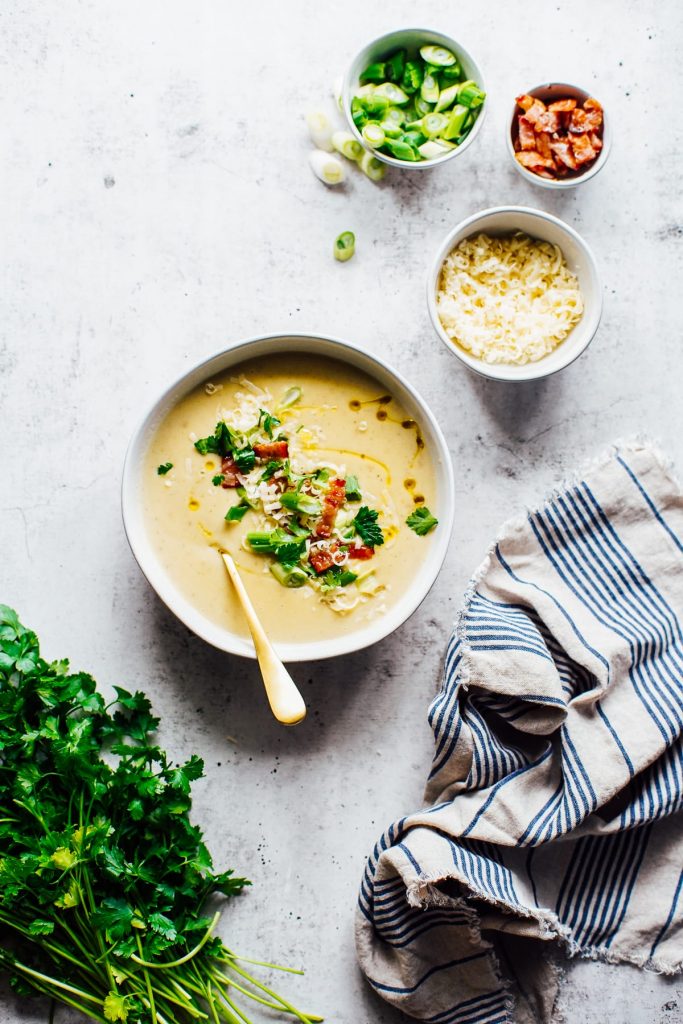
(373, 168)
(437, 55)
(348, 145)
(327, 167)
(320, 130)
(344, 246)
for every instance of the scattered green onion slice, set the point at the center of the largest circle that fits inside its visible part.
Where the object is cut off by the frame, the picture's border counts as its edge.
(320, 130)
(344, 246)
(373, 134)
(327, 167)
(290, 397)
(429, 90)
(349, 146)
(437, 55)
(372, 167)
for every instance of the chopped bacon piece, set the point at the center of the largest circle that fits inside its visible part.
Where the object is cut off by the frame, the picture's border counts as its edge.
(596, 141)
(527, 136)
(592, 104)
(525, 101)
(583, 150)
(535, 111)
(562, 105)
(534, 160)
(548, 121)
(332, 502)
(563, 152)
(229, 471)
(321, 559)
(274, 450)
(362, 551)
(543, 145)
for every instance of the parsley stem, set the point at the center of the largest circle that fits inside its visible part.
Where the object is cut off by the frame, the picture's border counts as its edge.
(258, 963)
(53, 981)
(182, 959)
(150, 995)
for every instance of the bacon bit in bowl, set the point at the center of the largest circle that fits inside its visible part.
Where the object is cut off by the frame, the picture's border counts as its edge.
(557, 139)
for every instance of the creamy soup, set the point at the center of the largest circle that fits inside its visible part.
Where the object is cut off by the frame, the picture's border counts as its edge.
(305, 470)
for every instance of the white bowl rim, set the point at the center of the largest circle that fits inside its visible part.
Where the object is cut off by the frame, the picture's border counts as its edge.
(347, 643)
(495, 371)
(565, 183)
(418, 165)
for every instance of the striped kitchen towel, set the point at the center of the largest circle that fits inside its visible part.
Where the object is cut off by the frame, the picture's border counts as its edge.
(554, 798)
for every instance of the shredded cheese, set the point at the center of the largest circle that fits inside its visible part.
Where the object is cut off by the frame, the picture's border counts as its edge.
(508, 300)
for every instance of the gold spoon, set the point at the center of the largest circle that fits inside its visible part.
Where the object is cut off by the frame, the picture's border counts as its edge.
(285, 701)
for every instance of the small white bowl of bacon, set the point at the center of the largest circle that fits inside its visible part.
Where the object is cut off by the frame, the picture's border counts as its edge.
(559, 136)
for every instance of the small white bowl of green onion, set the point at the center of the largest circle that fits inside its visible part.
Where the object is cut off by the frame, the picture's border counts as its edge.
(414, 98)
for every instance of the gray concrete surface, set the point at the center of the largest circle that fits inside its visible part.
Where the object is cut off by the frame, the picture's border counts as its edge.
(156, 204)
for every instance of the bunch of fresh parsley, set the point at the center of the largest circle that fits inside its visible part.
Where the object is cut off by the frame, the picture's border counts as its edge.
(103, 877)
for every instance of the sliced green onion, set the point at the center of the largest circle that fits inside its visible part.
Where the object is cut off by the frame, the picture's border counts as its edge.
(358, 112)
(434, 124)
(437, 55)
(320, 130)
(402, 150)
(290, 397)
(446, 98)
(429, 90)
(414, 138)
(394, 93)
(431, 149)
(236, 514)
(374, 72)
(327, 167)
(365, 91)
(422, 107)
(456, 121)
(348, 145)
(395, 66)
(373, 168)
(376, 103)
(344, 246)
(394, 115)
(353, 491)
(265, 543)
(393, 131)
(288, 575)
(470, 95)
(412, 77)
(300, 503)
(373, 134)
(452, 73)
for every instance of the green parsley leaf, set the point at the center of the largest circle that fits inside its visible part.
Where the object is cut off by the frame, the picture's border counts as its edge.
(236, 514)
(268, 421)
(353, 491)
(365, 522)
(290, 552)
(164, 468)
(245, 458)
(272, 467)
(421, 521)
(337, 577)
(217, 480)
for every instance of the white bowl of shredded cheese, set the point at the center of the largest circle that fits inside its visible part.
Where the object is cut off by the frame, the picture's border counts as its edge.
(515, 293)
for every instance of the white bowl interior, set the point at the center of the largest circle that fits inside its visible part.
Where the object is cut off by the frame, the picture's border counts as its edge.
(536, 224)
(550, 92)
(412, 39)
(154, 570)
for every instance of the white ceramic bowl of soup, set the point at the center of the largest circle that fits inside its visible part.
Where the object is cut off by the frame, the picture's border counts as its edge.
(308, 355)
(411, 39)
(537, 224)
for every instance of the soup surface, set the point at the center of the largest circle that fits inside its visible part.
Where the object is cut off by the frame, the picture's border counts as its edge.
(317, 468)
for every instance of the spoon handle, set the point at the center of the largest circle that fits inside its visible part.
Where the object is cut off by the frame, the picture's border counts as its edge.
(285, 701)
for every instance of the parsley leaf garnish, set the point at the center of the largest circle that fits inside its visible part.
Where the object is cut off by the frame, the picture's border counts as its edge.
(268, 421)
(227, 441)
(421, 521)
(353, 491)
(365, 523)
(217, 480)
(337, 577)
(164, 468)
